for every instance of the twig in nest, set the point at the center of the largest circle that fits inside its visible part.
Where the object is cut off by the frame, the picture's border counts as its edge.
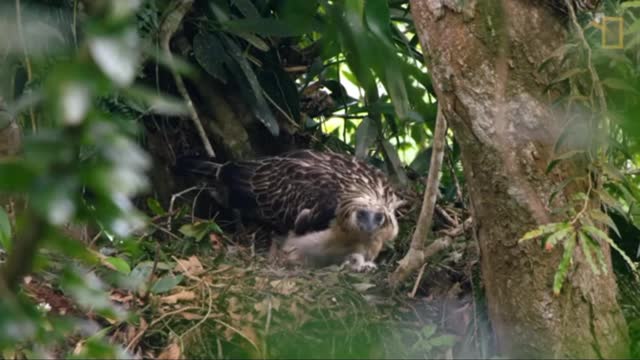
(416, 255)
(172, 20)
(173, 199)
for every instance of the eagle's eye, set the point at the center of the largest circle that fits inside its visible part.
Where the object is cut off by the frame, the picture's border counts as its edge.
(378, 218)
(368, 220)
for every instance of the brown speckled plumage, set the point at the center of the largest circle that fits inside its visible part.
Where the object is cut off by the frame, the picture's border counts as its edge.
(277, 189)
(313, 197)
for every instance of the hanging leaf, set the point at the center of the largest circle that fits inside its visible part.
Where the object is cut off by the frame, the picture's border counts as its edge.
(396, 165)
(564, 156)
(588, 250)
(210, 54)
(597, 233)
(261, 110)
(247, 8)
(604, 219)
(267, 27)
(366, 135)
(565, 264)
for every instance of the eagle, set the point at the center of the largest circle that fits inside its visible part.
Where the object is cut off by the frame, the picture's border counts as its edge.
(331, 208)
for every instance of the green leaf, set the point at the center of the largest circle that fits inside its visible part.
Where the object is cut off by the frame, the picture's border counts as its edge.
(156, 103)
(587, 249)
(604, 219)
(428, 331)
(5, 230)
(565, 263)
(119, 264)
(596, 249)
(564, 156)
(443, 341)
(560, 187)
(630, 4)
(155, 206)
(619, 84)
(569, 74)
(597, 233)
(541, 230)
(266, 27)
(610, 202)
(166, 283)
(116, 54)
(210, 54)
(262, 110)
(356, 42)
(396, 164)
(247, 8)
(560, 234)
(395, 83)
(15, 177)
(199, 230)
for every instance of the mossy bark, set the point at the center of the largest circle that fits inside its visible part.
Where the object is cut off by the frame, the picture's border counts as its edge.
(486, 74)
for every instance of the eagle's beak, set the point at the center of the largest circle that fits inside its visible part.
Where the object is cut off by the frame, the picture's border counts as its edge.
(369, 221)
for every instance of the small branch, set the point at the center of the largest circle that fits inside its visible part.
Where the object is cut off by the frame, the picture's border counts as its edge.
(417, 253)
(27, 61)
(173, 17)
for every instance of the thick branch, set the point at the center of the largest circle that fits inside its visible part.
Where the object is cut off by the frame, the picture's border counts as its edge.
(416, 255)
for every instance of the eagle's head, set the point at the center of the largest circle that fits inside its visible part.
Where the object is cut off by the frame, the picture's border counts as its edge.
(370, 216)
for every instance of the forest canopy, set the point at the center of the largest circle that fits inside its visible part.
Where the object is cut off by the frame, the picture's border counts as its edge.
(509, 128)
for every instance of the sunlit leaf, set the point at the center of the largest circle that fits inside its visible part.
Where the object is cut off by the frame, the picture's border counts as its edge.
(155, 206)
(117, 55)
(630, 4)
(542, 230)
(119, 264)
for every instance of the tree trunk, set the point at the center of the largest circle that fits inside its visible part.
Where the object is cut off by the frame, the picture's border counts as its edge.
(491, 92)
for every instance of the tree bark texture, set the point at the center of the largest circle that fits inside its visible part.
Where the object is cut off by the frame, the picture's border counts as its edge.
(484, 60)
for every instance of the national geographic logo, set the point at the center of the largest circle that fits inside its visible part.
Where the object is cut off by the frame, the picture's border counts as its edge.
(612, 30)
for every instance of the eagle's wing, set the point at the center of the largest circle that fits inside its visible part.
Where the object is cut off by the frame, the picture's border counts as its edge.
(295, 191)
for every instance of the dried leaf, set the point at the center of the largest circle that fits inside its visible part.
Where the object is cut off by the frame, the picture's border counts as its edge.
(191, 316)
(284, 287)
(181, 296)
(171, 352)
(190, 266)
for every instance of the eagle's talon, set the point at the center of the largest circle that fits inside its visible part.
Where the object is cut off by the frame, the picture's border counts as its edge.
(358, 264)
(366, 267)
